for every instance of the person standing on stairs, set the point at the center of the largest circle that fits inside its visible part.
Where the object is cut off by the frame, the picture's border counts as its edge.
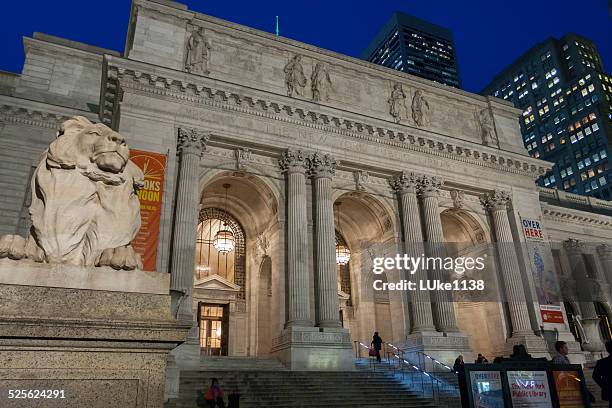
(214, 395)
(602, 374)
(377, 344)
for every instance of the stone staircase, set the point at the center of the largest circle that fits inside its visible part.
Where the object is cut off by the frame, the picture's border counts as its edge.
(266, 383)
(593, 387)
(441, 387)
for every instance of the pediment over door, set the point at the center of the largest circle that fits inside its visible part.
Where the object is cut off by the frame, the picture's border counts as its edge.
(216, 282)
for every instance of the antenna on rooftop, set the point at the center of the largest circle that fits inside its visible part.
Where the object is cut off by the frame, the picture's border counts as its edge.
(277, 26)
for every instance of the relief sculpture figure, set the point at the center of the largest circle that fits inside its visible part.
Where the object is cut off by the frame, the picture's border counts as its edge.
(420, 108)
(320, 82)
(294, 76)
(198, 53)
(397, 102)
(84, 209)
(487, 128)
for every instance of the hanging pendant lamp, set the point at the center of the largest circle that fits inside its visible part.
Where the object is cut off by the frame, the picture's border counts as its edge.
(343, 254)
(224, 241)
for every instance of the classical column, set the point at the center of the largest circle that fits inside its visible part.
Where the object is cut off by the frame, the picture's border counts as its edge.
(444, 312)
(589, 318)
(191, 144)
(497, 202)
(322, 167)
(294, 163)
(405, 185)
(605, 259)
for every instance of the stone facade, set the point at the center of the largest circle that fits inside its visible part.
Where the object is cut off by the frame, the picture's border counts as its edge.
(293, 129)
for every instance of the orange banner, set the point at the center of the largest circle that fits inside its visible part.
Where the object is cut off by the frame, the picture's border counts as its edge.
(568, 389)
(153, 165)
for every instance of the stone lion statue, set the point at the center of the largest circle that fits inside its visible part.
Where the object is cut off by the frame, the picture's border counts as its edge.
(85, 210)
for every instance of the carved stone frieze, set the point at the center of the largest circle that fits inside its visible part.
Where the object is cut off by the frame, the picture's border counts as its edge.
(198, 94)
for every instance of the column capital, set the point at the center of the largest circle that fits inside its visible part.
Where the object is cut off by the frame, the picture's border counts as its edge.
(495, 200)
(605, 251)
(573, 245)
(429, 186)
(293, 161)
(322, 165)
(404, 182)
(192, 141)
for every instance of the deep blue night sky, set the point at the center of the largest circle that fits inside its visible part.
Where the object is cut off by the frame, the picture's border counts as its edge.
(489, 34)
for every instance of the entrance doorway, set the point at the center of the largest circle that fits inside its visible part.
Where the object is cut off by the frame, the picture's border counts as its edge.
(213, 323)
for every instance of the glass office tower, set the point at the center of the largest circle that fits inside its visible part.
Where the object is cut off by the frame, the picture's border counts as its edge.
(415, 46)
(566, 99)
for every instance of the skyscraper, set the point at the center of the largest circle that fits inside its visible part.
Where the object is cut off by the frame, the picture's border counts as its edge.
(415, 46)
(566, 98)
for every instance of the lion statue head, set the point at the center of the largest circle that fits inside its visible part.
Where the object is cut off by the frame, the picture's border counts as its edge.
(84, 209)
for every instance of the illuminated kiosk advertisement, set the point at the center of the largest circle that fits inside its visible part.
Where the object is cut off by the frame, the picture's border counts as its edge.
(529, 389)
(524, 384)
(487, 391)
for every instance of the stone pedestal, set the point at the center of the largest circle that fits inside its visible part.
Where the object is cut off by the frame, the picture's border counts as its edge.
(314, 348)
(100, 335)
(444, 347)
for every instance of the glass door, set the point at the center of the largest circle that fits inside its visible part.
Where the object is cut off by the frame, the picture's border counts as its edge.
(212, 320)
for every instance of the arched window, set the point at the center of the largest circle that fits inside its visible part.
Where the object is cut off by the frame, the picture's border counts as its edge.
(343, 272)
(230, 266)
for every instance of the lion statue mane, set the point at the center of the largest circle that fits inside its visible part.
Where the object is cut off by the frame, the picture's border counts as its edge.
(84, 210)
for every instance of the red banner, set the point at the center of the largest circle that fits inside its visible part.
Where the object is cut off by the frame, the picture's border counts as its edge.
(551, 313)
(153, 165)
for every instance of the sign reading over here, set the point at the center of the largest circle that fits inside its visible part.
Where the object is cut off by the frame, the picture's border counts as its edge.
(153, 165)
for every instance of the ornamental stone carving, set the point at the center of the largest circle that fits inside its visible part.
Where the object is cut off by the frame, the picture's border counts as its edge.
(484, 121)
(322, 165)
(197, 52)
(429, 185)
(361, 177)
(294, 160)
(495, 200)
(457, 196)
(397, 103)
(243, 156)
(295, 80)
(85, 209)
(405, 182)
(320, 82)
(192, 141)
(573, 245)
(604, 251)
(420, 109)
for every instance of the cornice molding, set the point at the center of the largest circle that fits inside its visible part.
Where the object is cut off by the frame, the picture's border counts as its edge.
(13, 113)
(185, 89)
(569, 216)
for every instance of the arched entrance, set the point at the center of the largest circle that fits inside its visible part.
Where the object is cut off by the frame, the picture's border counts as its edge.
(605, 330)
(480, 321)
(365, 225)
(238, 292)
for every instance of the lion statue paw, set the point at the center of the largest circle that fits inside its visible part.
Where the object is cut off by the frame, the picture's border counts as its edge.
(17, 247)
(123, 257)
